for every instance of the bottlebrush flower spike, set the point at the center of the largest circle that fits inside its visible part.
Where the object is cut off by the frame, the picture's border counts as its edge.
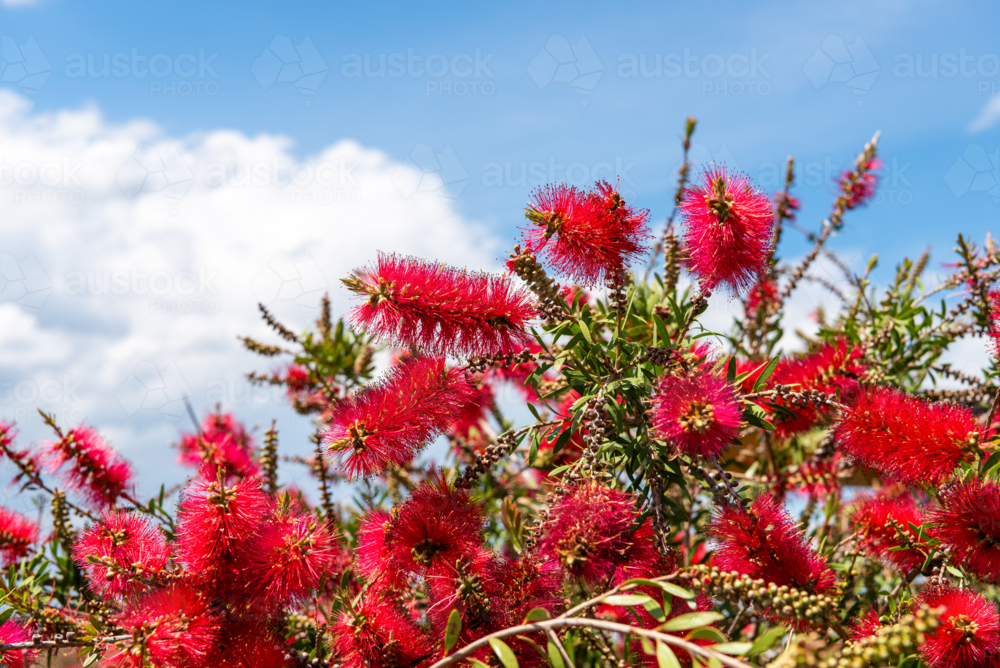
(585, 235)
(439, 309)
(249, 645)
(968, 632)
(906, 438)
(292, 555)
(374, 556)
(390, 421)
(994, 331)
(377, 635)
(216, 522)
(437, 526)
(882, 525)
(169, 627)
(120, 551)
(765, 543)
(729, 230)
(94, 469)
(222, 443)
(968, 521)
(17, 535)
(588, 530)
(697, 414)
(865, 625)
(12, 632)
(859, 187)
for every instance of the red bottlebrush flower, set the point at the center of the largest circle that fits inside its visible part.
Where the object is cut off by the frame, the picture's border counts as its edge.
(786, 204)
(222, 443)
(882, 523)
(588, 530)
(436, 525)
(377, 635)
(818, 478)
(12, 632)
(95, 470)
(528, 583)
(834, 368)
(729, 230)
(994, 323)
(697, 414)
(170, 627)
(373, 558)
(120, 550)
(439, 309)
(761, 296)
(17, 535)
(216, 522)
(292, 555)
(968, 520)
(905, 437)
(968, 632)
(473, 418)
(764, 542)
(471, 585)
(865, 625)
(249, 645)
(586, 235)
(860, 189)
(390, 421)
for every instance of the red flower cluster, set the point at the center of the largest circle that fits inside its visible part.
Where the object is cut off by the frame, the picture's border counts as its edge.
(968, 521)
(588, 236)
(697, 414)
(765, 543)
(221, 443)
(439, 309)
(865, 625)
(968, 635)
(882, 524)
(729, 230)
(17, 535)
(12, 632)
(904, 437)
(390, 421)
(93, 468)
(120, 552)
(860, 189)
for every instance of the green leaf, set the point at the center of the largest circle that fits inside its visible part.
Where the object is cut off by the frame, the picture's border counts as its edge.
(734, 648)
(731, 370)
(691, 620)
(676, 590)
(586, 333)
(477, 663)
(533, 452)
(452, 630)
(707, 633)
(536, 615)
(5, 615)
(627, 599)
(92, 659)
(765, 374)
(767, 639)
(665, 656)
(504, 653)
(655, 610)
(555, 658)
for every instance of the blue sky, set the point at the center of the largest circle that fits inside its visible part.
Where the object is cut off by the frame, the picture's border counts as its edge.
(432, 125)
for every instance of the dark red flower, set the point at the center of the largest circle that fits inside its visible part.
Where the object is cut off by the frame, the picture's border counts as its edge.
(968, 521)
(729, 230)
(882, 526)
(17, 535)
(169, 627)
(437, 526)
(121, 551)
(250, 645)
(390, 421)
(761, 295)
(216, 523)
(94, 469)
(765, 543)
(439, 309)
(291, 556)
(697, 414)
(373, 557)
(905, 437)
(588, 236)
(588, 530)
(12, 632)
(968, 633)
(377, 635)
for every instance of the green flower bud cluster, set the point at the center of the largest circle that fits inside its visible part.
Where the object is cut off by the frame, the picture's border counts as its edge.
(778, 602)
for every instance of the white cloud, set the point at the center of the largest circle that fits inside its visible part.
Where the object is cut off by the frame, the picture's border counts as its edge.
(155, 250)
(988, 116)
